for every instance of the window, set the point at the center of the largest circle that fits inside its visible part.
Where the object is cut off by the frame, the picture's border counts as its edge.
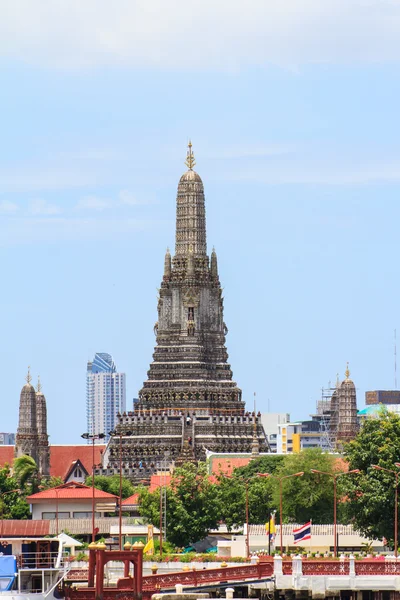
(53, 515)
(85, 515)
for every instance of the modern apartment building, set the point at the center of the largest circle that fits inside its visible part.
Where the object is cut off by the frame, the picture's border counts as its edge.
(105, 395)
(7, 439)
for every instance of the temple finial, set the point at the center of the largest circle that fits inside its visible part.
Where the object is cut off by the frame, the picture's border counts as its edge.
(39, 385)
(347, 372)
(28, 377)
(190, 161)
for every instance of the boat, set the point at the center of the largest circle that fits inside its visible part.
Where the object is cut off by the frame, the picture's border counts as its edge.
(31, 568)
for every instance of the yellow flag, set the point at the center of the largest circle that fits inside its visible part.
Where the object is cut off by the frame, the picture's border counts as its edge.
(149, 547)
(272, 528)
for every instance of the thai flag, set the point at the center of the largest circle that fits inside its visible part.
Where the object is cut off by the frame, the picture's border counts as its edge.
(302, 533)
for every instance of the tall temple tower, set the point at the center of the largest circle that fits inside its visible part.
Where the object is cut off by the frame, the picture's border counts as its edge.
(26, 441)
(344, 423)
(32, 438)
(189, 402)
(43, 438)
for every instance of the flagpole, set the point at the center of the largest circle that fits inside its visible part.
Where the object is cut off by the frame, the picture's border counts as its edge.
(310, 536)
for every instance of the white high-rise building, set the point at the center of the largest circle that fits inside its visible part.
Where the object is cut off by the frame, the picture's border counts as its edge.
(105, 395)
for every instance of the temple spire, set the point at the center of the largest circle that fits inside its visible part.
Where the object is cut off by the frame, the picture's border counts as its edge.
(28, 376)
(167, 265)
(190, 161)
(190, 214)
(347, 372)
(214, 264)
(39, 385)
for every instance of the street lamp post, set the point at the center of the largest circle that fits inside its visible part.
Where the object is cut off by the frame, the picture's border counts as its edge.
(93, 437)
(120, 434)
(334, 477)
(396, 496)
(246, 483)
(280, 479)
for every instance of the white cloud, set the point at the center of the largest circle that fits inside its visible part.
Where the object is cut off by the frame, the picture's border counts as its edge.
(211, 34)
(7, 207)
(93, 203)
(41, 207)
(30, 230)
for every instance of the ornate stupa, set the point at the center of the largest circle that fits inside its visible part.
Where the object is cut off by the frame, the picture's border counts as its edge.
(26, 441)
(32, 438)
(43, 438)
(346, 423)
(189, 402)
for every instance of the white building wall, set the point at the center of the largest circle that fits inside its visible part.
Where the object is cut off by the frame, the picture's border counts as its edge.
(69, 507)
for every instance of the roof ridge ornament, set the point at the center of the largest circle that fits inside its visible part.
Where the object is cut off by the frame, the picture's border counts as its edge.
(190, 160)
(28, 377)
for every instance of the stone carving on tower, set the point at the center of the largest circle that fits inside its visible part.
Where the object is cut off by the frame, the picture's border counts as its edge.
(43, 438)
(32, 438)
(189, 402)
(26, 441)
(344, 424)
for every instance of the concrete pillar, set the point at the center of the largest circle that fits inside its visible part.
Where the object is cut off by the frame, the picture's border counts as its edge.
(179, 588)
(229, 593)
(352, 566)
(297, 565)
(278, 565)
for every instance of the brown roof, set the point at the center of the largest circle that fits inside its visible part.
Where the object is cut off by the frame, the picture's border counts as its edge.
(25, 528)
(70, 491)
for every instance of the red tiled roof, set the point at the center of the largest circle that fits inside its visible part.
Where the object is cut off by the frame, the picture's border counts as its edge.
(157, 481)
(6, 455)
(134, 499)
(226, 465)
(62, 457)
(70, 491)
(25, 528)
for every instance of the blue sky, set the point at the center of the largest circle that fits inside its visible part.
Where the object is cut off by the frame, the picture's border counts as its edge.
(292, 108)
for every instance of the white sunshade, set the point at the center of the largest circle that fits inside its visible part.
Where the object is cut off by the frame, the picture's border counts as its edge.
(68, 541)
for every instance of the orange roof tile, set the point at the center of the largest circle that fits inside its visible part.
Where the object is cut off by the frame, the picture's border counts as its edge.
(157, 481)
(226, 465)
(62, 457)
(70, 491)
(6, 455)
(134, 499)
(25, 528)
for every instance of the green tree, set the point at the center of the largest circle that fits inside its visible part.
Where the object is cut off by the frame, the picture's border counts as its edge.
(309, 496)
(111, 485)
(192, 505)
(12, 500)
(371, 494)
(26, 472)
(263, 464)
(232, 499)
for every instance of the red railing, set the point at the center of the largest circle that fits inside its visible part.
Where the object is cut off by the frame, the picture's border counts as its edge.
(204, 576)
(377, 567)
(154, 583)
(325, 567)
(287, 567)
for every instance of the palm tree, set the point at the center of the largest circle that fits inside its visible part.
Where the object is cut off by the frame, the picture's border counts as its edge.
(25, 471)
